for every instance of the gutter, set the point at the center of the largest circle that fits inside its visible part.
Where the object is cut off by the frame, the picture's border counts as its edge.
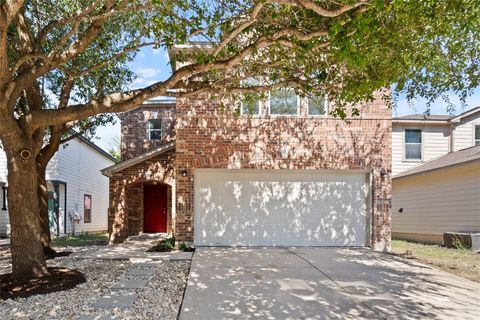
(420, 121)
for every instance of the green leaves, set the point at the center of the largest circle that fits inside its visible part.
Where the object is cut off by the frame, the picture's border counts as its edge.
(422, 48)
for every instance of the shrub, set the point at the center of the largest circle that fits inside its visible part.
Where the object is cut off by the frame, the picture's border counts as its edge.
(182, 246)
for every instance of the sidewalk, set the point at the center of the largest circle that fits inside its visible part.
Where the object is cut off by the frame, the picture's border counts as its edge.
(133, 248)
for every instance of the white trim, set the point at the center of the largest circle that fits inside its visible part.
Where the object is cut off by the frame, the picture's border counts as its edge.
(421, 122)
(404, 145)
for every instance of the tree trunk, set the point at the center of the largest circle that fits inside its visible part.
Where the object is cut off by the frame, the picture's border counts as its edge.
(28, 259)
(45, 237)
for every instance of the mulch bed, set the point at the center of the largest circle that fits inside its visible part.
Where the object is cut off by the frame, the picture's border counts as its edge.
(56, 254)
(59, 279)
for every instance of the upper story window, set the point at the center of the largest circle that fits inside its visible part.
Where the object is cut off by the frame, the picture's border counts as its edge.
(155, 129)
(250, 105)
(87, 208)
(284, 102)
(413, 144)
(477, 135)
(317, 106)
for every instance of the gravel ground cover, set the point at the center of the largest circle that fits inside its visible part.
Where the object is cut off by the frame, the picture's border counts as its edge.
(159, 299)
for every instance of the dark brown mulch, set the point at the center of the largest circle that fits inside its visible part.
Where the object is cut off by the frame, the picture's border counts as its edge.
(59, 279)
(56, 254)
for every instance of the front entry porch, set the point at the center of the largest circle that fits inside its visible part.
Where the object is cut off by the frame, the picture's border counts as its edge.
(155, 207)
(149, 208)
(142, 194)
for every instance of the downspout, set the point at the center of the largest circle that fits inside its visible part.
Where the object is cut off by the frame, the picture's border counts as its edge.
(451, 138)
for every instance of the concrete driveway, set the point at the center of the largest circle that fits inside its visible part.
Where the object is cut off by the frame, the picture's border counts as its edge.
(322, 283)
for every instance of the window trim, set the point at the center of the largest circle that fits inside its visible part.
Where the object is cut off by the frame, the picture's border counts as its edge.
(90, 214)
(325, 99)
(284, 114)
(475, 125)
(405, 159)
(149, 130)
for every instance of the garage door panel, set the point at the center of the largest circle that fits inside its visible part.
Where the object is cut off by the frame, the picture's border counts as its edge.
(247, 207)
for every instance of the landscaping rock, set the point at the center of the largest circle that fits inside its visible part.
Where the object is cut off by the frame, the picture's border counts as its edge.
(141, 272)
(160, 298)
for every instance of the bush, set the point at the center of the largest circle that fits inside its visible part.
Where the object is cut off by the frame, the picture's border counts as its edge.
(165, 246)
(182, 246)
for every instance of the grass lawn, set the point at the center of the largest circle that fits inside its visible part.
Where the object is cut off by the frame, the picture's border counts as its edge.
(462, 262)
(81, 240)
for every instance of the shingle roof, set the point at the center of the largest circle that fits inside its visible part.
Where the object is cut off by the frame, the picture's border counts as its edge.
(441, 118)
(94, 146)
(448, 160)
(432, 117)
(137, 159)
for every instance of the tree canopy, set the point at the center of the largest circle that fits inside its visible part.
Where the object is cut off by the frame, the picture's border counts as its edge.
(347, 48)
(65, 64)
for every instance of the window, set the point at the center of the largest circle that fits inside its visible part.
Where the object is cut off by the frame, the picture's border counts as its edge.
(283, 102)
(477, 135)
(250, 105)
(155, 129)
(250, 101)
(317, 106)
(87, 208)
(4, 198)
(413, 144)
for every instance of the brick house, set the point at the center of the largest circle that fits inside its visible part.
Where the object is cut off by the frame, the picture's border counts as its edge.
(281, 173)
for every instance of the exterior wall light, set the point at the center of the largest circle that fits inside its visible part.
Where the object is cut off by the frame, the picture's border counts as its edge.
(184, 173)
(284, 151)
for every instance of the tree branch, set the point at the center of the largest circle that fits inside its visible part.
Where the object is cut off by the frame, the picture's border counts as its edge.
(9, 10)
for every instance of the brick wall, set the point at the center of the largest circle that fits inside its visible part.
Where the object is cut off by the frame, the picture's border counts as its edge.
(208, 136)
(134, 128)
(125, 215)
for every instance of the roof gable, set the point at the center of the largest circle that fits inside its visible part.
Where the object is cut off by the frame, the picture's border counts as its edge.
(137, 159)
(451, 159)
(436, 118)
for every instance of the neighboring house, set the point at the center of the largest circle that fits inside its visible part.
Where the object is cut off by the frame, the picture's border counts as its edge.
(282, 173)
(77, 191)
(436, 175)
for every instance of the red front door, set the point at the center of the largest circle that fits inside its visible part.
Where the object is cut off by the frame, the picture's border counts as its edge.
(155, 208)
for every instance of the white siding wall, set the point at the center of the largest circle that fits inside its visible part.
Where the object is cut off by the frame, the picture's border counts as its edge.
(435, 143)
(464, 133)
(79, 166)
(3, 166)
(436, 202)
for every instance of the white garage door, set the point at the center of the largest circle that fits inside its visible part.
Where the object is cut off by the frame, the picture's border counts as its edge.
(280, 208)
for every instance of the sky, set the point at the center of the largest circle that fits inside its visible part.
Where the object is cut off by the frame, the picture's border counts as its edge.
(152, 65)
